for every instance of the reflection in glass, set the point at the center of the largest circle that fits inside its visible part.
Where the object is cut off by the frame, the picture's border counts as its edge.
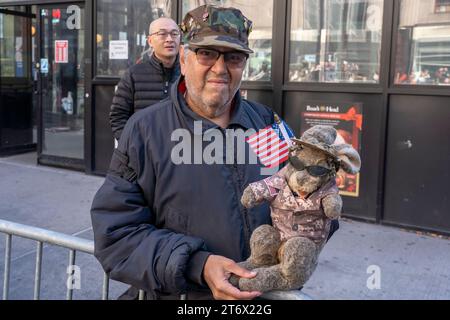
(14, 49)
(336, 41)
(423, 43)
(442, 6)
(260, 12)
(62, 75)
(16, 85)
(126, 21)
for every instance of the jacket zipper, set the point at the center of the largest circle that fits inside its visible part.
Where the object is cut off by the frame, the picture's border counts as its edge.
(166, 78)
(243, 211)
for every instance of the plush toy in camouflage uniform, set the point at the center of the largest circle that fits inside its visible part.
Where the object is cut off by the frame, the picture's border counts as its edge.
(303, 199)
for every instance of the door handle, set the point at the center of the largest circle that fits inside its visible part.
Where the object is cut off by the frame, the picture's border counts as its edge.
(405, 145)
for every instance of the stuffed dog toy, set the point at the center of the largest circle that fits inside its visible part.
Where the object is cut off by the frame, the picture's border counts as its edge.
(303, 199)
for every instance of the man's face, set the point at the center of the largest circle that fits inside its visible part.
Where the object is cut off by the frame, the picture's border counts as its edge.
(164, 44)
(210, 87)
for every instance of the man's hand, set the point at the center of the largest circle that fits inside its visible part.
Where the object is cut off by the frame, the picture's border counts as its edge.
(218, 270)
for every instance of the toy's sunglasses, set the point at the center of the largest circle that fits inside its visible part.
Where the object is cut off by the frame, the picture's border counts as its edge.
(315, 171)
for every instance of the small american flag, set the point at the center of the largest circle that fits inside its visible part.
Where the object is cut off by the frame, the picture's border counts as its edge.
(271, 144)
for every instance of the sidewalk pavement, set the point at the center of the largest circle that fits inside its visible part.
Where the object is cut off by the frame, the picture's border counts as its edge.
(409, 265)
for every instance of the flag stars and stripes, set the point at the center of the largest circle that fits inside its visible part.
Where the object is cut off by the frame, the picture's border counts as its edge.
(269, 147)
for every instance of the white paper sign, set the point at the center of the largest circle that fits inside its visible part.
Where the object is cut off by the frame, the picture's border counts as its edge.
(118, 50)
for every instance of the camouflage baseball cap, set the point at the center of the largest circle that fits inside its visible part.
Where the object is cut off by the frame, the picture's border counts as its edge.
(210, 25)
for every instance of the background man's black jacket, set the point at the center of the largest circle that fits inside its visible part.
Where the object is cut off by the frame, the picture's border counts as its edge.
(141, 86)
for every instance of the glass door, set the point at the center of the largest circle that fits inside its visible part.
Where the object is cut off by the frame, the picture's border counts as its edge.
(16, 80)
(61, 70)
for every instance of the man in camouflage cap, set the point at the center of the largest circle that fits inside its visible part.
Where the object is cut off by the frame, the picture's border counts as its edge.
(213, 59)
(180, 228)
(212, 62)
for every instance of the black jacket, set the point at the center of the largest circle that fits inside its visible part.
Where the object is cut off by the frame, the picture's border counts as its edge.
(141, 86)
(155, 223)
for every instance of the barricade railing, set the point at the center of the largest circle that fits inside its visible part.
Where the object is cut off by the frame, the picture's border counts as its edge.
(75, 244)
(44, 236)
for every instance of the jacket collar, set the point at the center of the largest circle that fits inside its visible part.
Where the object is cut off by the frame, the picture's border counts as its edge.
(240, 117)
(154, 61)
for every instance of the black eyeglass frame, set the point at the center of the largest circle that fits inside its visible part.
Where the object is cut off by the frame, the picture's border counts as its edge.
(166, 33)
(196, 49)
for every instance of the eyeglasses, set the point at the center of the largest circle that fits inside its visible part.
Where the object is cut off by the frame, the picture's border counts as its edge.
(315, 171)
(163, 34)
(209, 57)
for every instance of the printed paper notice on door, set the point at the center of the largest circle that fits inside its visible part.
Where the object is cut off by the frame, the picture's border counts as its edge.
(118, 50)
(61, 51)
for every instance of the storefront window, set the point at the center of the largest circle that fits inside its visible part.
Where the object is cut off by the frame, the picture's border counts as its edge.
(423, 43)
(122, 29)
(14, 49)
(336, 41)
(442, 6)
(260, 12)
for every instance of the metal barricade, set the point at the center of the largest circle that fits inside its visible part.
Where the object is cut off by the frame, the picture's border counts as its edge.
(74, 244)
(43, 236)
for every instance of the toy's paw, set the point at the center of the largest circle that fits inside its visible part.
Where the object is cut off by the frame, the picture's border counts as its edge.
(332, 206)
(234, 280)
(248, 199)
(267, 279)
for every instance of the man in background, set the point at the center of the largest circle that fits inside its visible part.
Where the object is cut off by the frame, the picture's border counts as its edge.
(148, 82)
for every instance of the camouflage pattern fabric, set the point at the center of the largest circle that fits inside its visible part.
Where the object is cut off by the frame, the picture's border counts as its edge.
(293, 216)
(215, 26)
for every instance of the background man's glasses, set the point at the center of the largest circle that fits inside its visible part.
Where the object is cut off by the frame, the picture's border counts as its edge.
(163, 34)
(209, 57)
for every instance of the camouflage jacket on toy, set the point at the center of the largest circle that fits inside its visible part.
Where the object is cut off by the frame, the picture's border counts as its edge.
(291, 215)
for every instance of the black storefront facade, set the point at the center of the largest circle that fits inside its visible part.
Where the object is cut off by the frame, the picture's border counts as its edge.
(381, 66)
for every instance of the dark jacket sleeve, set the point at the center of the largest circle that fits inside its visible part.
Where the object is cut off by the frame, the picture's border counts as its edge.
(127, 244)
(122, 106)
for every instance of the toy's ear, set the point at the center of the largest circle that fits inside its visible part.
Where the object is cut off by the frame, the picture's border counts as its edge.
(349, 158)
